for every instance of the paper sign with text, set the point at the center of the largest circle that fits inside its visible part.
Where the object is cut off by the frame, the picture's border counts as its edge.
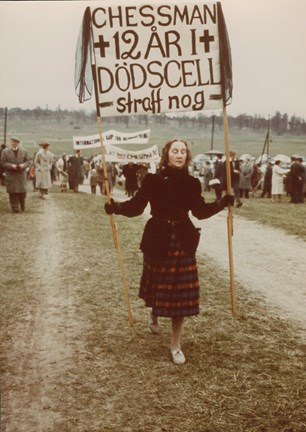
(156, 57)
(111, 137)
(116, 154)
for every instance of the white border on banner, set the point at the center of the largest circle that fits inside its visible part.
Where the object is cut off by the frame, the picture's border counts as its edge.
(150, 64)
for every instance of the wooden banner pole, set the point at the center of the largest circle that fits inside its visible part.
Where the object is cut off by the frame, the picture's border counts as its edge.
(114, 225)
(111, 217)
(229, 215)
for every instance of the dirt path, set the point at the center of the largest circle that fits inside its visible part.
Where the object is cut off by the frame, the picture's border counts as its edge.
(41, 341)
(267, 261)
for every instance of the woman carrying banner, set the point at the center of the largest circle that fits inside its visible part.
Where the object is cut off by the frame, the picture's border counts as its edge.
(169, 283)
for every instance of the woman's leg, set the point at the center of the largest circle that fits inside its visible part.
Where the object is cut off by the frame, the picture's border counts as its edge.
(176, 352)
(177, 326)
(153, 323)
(154, 318)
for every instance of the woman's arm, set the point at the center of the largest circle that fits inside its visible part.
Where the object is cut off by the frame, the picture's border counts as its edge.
(202, 210)
(136, 205)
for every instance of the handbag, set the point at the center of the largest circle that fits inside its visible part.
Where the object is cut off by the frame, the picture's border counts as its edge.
(189, 235)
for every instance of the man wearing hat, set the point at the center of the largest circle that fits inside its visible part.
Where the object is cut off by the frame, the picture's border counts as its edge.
(15, 161)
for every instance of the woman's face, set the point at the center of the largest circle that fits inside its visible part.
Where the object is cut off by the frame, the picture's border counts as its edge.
(177, 154)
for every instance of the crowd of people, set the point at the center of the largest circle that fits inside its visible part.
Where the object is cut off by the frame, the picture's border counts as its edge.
(17, 167)
(248, 177)
(43, 169)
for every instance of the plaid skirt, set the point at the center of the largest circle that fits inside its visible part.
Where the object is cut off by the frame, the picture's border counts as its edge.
(171, 287)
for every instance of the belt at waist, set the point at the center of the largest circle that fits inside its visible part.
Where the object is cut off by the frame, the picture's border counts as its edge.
(168, 220)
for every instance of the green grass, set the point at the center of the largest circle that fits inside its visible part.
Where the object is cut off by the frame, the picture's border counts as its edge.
(288, 217)
(285, 216)
(60, 135)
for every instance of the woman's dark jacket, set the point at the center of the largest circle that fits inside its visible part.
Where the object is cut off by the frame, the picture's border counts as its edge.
(172, 193)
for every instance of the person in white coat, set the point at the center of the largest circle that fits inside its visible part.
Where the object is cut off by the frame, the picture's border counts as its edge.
(43, 164)
(278, 175)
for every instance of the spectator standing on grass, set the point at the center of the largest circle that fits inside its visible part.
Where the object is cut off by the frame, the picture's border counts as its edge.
(129, 171)
(235, 177)
(206, 173)
(141, 173)
(32, 175)
(255, 177)
(15, 161)
(86, 168)
(110, 175)
(245, 182)
(43, 164)
(219, 175)
(93, 180)
(114, 171)
(169, 283)
(267, 182)
(100, 178)
(53, 170)
(2, 181)
(62, 167)
(261, 175)
(75, 170)
(278, 174)
(297, 179)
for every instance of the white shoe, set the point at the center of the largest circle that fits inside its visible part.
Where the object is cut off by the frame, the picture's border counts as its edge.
(178, 356)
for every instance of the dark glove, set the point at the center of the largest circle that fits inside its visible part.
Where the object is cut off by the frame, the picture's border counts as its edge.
(112, 207)
(226, 201)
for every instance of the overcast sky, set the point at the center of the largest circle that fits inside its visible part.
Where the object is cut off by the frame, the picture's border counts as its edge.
(268, 41)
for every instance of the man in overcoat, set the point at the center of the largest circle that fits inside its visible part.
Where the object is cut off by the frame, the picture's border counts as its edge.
(235, 177)
(15, 161)
(75, 170)
(246, 172)
(297, 179)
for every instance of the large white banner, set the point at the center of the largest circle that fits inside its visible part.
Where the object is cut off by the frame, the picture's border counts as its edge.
(156, 57)
(111, 137)
(116, 154)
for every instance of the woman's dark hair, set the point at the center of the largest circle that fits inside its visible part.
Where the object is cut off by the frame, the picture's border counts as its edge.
(165, 152)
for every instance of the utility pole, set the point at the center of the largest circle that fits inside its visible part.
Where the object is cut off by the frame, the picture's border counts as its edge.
(212, 133)
(266, 143)
(5, 126)
(268, 137)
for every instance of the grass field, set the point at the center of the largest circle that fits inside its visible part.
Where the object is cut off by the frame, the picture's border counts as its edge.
(59, 135)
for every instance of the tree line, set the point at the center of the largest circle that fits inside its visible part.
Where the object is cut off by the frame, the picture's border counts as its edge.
(279, 123)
